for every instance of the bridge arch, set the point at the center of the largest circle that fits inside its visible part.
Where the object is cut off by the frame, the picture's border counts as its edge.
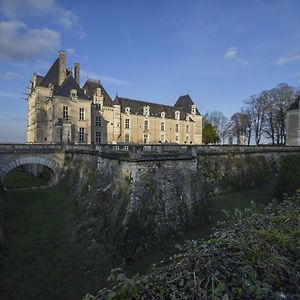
(38, 160)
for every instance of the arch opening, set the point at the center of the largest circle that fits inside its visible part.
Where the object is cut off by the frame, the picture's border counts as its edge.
(27, 176)
(38, 168)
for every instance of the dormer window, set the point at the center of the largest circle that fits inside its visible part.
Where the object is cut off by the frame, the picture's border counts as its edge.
(146, 111)
(127, 110)
(98, 92)
(187, 118)
(73, 95)
(177, 114)
(163, 115)
(193, 110)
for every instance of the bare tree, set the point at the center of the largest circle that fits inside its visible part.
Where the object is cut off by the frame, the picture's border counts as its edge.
(240, 125)
(256, 107)
(278, 100)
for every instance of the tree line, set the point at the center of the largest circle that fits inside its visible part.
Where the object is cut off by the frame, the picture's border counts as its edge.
(262, 119)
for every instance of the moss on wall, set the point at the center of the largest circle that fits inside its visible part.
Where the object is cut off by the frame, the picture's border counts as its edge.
(129, 206)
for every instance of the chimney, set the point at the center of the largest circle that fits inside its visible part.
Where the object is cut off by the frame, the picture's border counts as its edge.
(77, 72)
(62, 74)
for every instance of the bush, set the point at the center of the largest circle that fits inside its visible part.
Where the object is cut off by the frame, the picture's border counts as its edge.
(254, 256)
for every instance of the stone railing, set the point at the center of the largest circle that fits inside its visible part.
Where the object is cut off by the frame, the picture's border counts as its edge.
(138, 151)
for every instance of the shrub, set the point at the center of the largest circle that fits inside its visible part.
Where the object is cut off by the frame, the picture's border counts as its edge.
(254, 256)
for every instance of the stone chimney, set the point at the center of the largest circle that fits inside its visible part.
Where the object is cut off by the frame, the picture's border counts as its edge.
(77, 72)
(62, 67)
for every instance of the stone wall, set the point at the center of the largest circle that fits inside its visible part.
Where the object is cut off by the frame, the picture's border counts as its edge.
(128, 206)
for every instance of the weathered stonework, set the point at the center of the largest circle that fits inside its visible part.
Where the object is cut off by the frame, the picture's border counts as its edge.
(131, 205)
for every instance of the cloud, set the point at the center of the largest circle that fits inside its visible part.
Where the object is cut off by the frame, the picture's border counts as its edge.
(14, 9)
(282, 60)
(5, 95)
(11, 75)
(114, 81)
(231, 53)
(70, 51)
(18, 42)
(104, 78)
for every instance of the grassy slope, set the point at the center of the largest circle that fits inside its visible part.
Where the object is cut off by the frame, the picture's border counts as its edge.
(43, 263)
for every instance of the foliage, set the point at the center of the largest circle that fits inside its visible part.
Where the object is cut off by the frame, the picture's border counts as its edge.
(288, 175)
(220, 123)
(255, 256)
(209, 134)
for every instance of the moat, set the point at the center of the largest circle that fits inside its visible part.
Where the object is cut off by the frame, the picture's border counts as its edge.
(44, 261)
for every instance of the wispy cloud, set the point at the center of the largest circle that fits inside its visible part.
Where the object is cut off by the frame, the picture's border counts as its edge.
(231, 53)
(11, 75)
(18, 42)
(6, 95)
(105, 79)
(67, 19)
(282, 60)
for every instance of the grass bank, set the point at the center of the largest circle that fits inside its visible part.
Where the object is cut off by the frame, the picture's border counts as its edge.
(42, 260)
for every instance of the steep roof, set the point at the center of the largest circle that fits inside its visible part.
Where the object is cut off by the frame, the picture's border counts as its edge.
(91, 85)
(294, 105)
(52, 75)
(155, 109)
(184, 103)
(70, 84)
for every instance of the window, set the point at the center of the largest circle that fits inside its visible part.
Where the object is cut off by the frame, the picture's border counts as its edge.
(177, 138)
(177, 128)
(146, 125)
(98, 121)
(66, 113)
(127, 123)
(98, 137)
(162, 126)
(146, 110)
(187, 128)
(127, 110)
(98, 106)
(81, 114)
(193, 109)
(81, 135)
(162, 138)
(145, 138)
(177, 114)
(127, 138)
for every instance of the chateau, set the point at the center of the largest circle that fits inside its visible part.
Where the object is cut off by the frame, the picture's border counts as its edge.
(293, 124)
(60, 111)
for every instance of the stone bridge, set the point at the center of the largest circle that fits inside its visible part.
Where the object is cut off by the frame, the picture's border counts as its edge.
(53, 156)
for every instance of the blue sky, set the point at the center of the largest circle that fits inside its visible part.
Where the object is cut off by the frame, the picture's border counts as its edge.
(219, 52)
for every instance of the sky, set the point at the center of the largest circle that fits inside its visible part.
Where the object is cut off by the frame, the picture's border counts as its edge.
(219, 52)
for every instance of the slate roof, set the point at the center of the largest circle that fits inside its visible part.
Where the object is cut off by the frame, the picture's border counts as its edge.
(70, 84)
(184, 103)
(155, 109)
(294, 105)
(52, 75)
(91, 85)
(39, 79)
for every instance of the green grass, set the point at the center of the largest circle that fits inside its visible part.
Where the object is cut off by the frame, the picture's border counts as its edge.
(15, 179)
(43, 262)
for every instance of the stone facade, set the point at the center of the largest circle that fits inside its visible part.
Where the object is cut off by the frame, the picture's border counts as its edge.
(293, 124)
(60, 111)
